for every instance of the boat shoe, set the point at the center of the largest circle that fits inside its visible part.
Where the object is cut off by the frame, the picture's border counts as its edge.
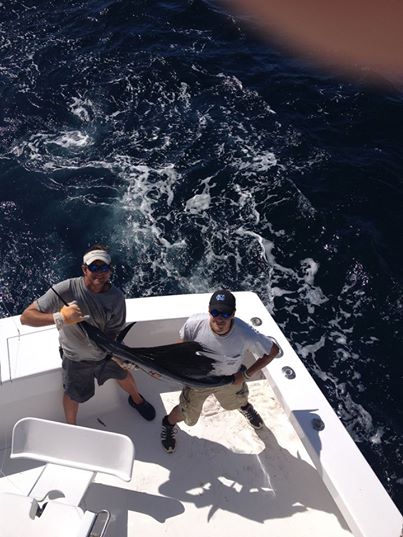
(145, 409)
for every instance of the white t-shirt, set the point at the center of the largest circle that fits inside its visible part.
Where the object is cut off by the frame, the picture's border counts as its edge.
(228, 350)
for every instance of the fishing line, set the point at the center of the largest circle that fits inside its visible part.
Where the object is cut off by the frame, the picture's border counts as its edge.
(8, 349)
(58, 295)
(3, 474)
(8, 447)
(11, 316)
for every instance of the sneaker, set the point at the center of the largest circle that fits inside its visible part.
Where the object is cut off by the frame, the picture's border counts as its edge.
(168, 433)
(145, 409)
(252, 416)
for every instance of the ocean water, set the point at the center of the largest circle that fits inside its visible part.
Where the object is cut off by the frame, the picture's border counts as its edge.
(206, 157)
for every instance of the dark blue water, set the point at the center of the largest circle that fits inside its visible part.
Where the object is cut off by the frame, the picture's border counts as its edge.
(205, 157)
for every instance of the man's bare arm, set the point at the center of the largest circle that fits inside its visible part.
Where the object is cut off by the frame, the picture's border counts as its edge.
(257, 366)
(70, 314)
(31, 316)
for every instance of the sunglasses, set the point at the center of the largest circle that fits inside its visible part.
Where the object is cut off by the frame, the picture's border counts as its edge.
(98, 268)
(225, 315)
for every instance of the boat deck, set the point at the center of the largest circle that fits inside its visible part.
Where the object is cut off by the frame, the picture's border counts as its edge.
(223, 477)
(291, 479)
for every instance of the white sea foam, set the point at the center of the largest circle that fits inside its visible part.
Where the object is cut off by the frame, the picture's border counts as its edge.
(312, 348)
(377, 437)
(162, 220)
(82, 108)
(40, 152)
(72, 139)
(198, 204)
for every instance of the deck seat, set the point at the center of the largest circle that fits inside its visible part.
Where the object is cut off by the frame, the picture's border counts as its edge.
(73, 455)
(19, 518)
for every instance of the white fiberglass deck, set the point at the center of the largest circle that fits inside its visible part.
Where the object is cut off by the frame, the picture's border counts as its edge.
(223, 477)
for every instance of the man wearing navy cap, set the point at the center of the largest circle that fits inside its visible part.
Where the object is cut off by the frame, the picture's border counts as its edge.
(94, 298)
(228, 338)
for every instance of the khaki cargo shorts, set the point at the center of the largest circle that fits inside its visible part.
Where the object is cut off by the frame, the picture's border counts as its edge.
(230, 397)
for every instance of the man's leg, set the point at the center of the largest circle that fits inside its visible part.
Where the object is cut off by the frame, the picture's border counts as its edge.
(78, 385)
(235, 396)
(70, 409)
(175, 416)
(109, 369)
(188, 410)
(129, 385)
(143, 407)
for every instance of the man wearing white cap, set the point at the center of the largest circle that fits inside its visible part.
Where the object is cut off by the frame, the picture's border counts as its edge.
(91, 297)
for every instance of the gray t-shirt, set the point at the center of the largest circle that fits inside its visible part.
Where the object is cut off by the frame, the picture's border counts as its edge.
(228, 350)
(107, 312)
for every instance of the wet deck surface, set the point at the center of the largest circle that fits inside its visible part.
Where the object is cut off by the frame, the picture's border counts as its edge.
(223, 477)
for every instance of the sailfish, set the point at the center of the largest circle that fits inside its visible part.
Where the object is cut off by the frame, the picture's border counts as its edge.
(184, 362)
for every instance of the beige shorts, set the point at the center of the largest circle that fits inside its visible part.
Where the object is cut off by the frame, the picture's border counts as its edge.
(230, 397)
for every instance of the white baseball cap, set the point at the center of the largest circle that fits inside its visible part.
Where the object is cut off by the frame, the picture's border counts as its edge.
(97, 255)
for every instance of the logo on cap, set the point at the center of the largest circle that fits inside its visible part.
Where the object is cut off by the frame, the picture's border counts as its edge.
(220, 297)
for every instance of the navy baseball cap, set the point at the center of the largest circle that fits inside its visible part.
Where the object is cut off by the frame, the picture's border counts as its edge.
(223, 301)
